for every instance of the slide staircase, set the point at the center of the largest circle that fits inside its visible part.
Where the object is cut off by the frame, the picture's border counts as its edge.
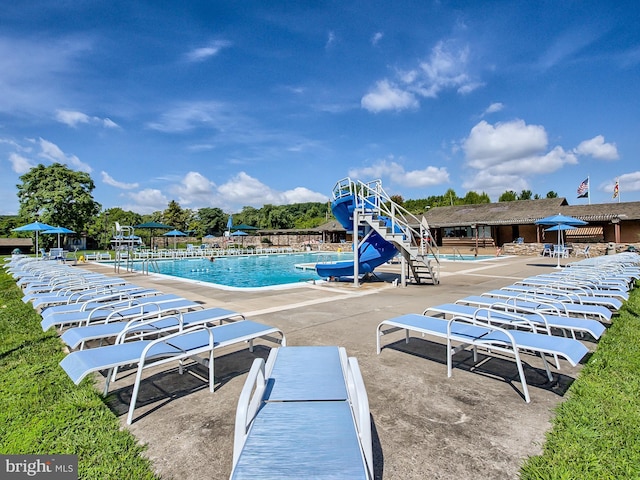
(366, 208)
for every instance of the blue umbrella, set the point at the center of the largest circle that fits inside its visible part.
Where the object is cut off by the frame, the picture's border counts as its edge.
(34, 227)
(174, 234)
(229, 223)
(560, 219)
(58, 230)
(560, 227)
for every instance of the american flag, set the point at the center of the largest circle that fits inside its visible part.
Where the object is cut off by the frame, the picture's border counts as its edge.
(616, 189)
(583, 189)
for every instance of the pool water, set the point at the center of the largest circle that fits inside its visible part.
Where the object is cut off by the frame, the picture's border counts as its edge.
(249, 271)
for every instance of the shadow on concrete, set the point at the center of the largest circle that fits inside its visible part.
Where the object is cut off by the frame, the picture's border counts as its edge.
(490, 366)
(161, 388)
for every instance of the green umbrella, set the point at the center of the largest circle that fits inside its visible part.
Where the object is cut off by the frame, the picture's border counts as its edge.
(151, 226)
(244, 226)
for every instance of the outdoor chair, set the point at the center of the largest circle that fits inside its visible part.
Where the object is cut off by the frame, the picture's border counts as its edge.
(303, 414)
(193, 343)
(584, 252)
(471, 332)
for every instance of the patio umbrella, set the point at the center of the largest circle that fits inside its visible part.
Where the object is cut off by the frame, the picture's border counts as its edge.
(239, 233)
(174, 234)
(560, 219)
(151, 226)
(58, 231)
(244, 226)
(229, 223)
(560, 227)
(34, 227)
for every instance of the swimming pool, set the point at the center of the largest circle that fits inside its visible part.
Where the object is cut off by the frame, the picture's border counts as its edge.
(251, 271)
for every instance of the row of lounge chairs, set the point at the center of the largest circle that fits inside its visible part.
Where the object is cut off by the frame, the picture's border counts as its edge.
(550, 316)
(109, 324)
(304, 413)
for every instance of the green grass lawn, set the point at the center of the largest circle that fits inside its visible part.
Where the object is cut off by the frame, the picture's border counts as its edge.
(43, 412)
(596, 431)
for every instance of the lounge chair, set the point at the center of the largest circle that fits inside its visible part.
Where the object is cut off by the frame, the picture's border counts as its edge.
(146, 325)
(83, 295)
(564, 294)
(473, 333)
(77, 286)
(175, 347)
(113, 300)
(157, 305)
(509, 314)
(534, 302)
(303, 414)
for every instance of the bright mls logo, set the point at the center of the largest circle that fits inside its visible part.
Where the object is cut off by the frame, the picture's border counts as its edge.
(52, 467)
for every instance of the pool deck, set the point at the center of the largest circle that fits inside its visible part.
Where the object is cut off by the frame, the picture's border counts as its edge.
(425, 425)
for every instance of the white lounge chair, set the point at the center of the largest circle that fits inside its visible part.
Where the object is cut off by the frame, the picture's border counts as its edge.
(472, 333)
(510, 314)
(534, 302)
(179, 346)
(144, 326)
(303, 414)
(157, 305)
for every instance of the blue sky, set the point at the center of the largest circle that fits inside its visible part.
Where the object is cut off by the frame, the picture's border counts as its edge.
(227, 104)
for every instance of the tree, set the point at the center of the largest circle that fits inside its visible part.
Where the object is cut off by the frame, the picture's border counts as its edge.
(552, 194)
(211, 221)
(508, 196)
(102, 227)
(525, 195)
(176, 216)
(474, 198)
(57, 195)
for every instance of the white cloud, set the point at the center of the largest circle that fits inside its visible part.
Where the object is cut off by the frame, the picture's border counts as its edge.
(494, 184)
(147, 201)
(395, 172)
(303, 195)
(190, 115)
(20, 164)
(376, 38)
(211, 50)
(108, 123)
(52, 152)
(388, 97)
(427, 177)
(195, 189)
(73, 118)
(597, 148)
(488, 145)
(446, 68)
(109, 180)
(493, 108)
(331, 40)
(243, 190)
(503, 155)
(627, 182)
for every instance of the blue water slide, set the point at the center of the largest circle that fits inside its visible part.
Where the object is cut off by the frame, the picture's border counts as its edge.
(373, 252)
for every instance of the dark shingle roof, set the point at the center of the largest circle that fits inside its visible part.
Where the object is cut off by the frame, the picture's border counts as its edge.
(522, 212)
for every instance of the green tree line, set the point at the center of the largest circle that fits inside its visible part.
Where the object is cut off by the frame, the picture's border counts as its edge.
(59, 196)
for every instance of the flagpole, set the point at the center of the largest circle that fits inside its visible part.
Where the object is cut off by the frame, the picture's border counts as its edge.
(589, 189)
